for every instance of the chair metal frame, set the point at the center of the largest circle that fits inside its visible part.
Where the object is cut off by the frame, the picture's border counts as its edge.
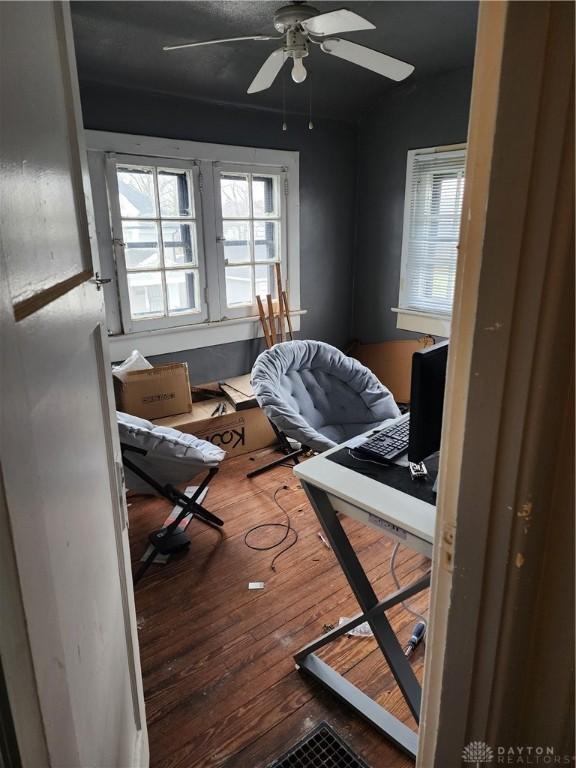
(284, 445)
(168, 540)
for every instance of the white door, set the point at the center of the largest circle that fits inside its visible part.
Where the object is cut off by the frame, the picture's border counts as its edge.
(59, 451)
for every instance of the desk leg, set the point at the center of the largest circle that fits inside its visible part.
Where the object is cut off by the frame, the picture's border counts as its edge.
(373, 613)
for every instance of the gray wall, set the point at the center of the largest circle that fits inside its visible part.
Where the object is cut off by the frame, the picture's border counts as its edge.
(327, 198)
(425, 113)
(350, 244)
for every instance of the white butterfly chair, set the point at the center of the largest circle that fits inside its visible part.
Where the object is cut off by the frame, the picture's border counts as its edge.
(156, 459)
(316, 395)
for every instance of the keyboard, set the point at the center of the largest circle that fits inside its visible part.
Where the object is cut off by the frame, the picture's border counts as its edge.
(389, 443)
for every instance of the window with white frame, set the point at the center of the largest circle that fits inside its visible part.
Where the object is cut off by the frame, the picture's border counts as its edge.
(154, 214)
(252, 218)
(433, 207)
(191, 234)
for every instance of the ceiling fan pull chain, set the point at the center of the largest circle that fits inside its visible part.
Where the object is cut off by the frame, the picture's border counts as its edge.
(284, 124)
(310, 123)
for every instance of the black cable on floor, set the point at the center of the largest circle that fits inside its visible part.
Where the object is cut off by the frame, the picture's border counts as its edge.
(286, 526)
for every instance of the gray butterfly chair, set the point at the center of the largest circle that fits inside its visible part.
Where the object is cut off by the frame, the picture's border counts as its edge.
(316, 395)
(156, 459)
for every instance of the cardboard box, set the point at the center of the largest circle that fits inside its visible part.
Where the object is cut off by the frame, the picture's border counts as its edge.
(155, 392)
(237, 390)
(391, 362)
(236, 432)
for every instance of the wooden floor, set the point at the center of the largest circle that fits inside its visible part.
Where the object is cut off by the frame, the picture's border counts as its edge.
(219, 679)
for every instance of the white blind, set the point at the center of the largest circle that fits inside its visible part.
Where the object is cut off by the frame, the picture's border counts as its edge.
(434, 191)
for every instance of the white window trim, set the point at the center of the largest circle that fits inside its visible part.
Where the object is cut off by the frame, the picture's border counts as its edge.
(192, 336)
(409, 319)
(244, 310)
(423, 322)
(205, 155)
(112, 161)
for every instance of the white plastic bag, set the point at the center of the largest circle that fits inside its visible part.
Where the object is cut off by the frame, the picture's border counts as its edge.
(134, 362)
(363, 630)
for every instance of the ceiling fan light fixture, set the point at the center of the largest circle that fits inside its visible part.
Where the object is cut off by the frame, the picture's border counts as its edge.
(299, 72)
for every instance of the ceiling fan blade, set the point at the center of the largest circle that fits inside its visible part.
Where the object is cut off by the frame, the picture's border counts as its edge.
(335, 22)
(214, 42)
(368, 58)
(268, 71)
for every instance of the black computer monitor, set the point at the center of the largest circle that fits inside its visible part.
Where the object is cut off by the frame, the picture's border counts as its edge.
(427, 400)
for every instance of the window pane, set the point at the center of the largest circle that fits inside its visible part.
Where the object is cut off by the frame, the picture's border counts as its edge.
(238, 285)
(136, 191)
(265, 280)
(179, 242)
(234, 195)
(265, 195)
(175, 192)
(183, 291)
(431, 231)
(145, 291)
(236, 241)
(265, 240)
(141, 244)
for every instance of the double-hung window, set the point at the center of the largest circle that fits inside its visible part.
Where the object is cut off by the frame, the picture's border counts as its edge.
(190, 235)
(251, 216)
(433, 207)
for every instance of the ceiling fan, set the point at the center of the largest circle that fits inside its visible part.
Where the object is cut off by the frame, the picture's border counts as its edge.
(300, 25)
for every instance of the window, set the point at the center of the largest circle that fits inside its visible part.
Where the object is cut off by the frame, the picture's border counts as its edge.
(153, 213)
(433, 206)
(251, 215)
(191, 234)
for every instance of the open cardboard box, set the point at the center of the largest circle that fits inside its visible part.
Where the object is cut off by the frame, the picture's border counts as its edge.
(242, 428)
(163, 395)
(237, 390)
(236, 432)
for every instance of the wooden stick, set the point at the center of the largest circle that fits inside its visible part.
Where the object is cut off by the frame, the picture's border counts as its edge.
(271, 319)
(263, 322)
(280, 308)
(287, 311)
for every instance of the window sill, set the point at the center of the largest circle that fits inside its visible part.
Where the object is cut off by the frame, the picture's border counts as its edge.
(422, 322)
(178, 339)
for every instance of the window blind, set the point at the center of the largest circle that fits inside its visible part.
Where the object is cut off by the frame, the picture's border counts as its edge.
(434, 191)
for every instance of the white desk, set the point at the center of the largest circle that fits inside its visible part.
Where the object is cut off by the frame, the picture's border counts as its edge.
(333, 488)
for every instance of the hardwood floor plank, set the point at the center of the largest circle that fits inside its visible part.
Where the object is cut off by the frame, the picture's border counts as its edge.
(232, 587)
(191, 673)
(220, 685)
(322, 707)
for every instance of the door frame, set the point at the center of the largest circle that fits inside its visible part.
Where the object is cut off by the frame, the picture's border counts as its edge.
(498, 547)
